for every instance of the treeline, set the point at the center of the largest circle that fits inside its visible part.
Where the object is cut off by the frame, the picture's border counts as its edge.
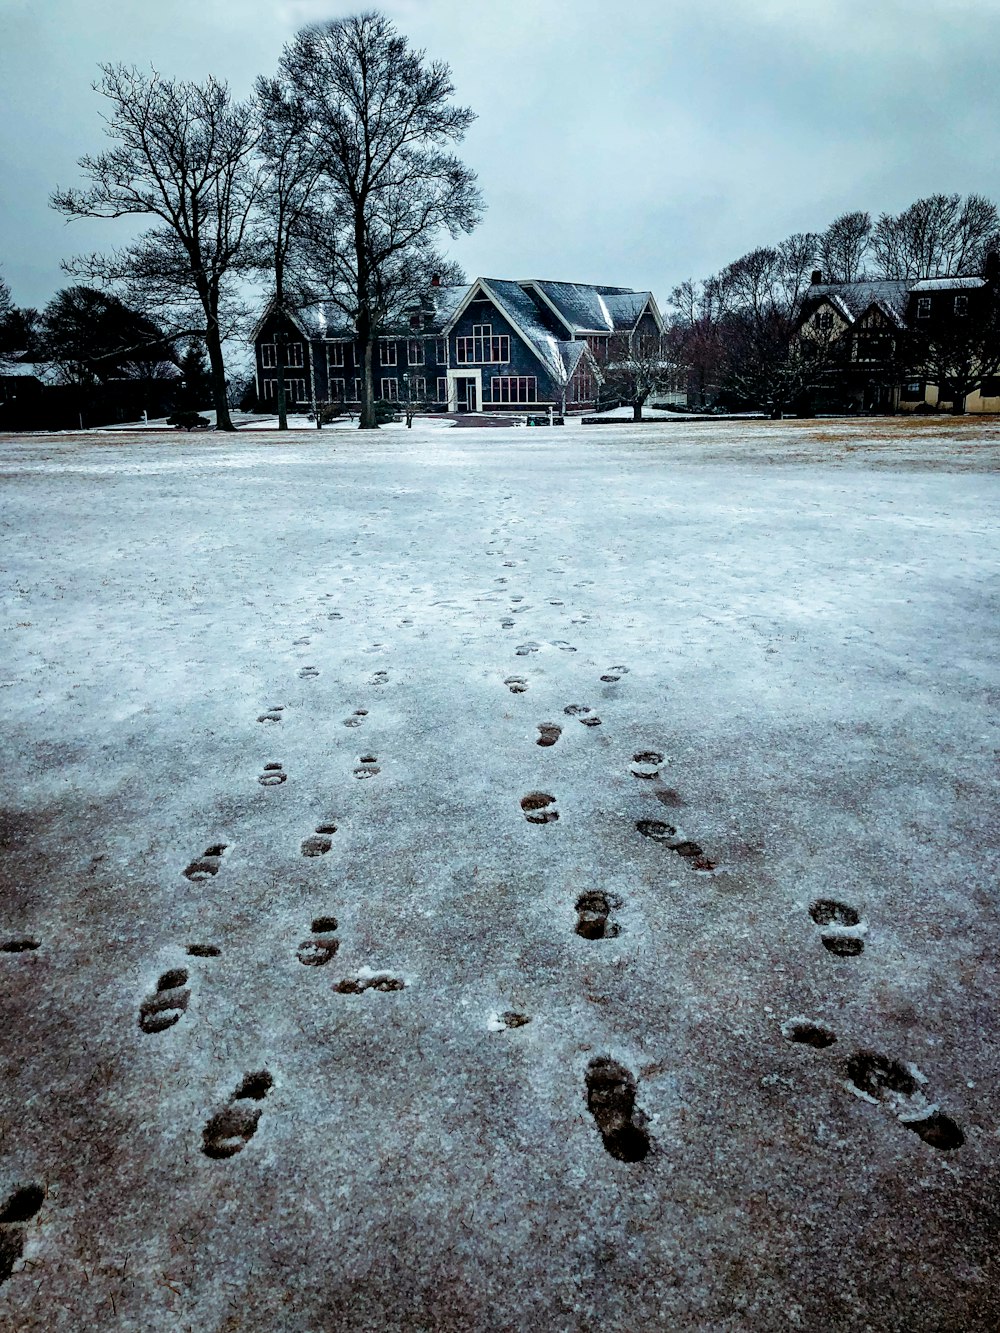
(735, 329)
(331, 183)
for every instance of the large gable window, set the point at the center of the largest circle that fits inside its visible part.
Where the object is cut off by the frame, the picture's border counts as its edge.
(483, 348)
(514, 389)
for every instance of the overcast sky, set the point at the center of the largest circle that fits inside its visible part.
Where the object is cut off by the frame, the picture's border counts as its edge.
(634, 144)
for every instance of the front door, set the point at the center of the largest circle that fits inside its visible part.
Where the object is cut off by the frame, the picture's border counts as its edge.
(466, 391)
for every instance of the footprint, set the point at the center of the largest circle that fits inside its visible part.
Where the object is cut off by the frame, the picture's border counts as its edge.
(356, 718)
(525, 649)
(614, 674)
(272, 714)
(320, 842)
(206, 865)
(808, 1034)
(21, 1206)
(671, 837)
(273, 776)
(668, 796)
(593, 910)
(611, 1090)
(367, 766)
(842, 929)
(21, 944)
(204, 950)
(507, 624)
(299, 643)
(538, 808)
(516, 684)
(308, 673)
(379, 678)
(561, 643)
(321, 947)
(548, 733)
(585, 714)
(231, 1129)
(898, 1087)
(365, 981)
(164, 1007)
(507, 1020)
(334, 615)
(646, 764)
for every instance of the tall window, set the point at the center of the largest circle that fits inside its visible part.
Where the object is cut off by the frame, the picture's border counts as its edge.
(515, 389)
(357, 391)
(387, 351)
(415, 352)
(442, 389)
(337, 394)
(269, 356)
(923, 307)
(335, 356)
(483, 347)
(269, 388)
(582, 388)
(296, 390)
(442, 351)
(961, 305)
(390, 390)
(418, 388)
(294, 355)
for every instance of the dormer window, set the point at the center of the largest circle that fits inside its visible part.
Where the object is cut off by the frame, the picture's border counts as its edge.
(961, 306)
(923, 307)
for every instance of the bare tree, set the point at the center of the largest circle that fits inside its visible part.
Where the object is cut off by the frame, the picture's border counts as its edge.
(182, 155)
(382, 117)
(289, 197)
(632, 367)
(942, 235)
(844, 246)
(693, 339)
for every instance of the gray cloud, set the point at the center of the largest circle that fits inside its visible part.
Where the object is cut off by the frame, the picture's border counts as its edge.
(638, 145)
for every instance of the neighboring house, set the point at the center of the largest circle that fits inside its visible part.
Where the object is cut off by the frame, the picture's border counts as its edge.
(877, 328)
(491, 346)
(43, 395)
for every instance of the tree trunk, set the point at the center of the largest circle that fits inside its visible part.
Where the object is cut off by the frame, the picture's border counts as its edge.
(637, 411)
(367, 421)
(958, 403)
(281, 394)
(213, 342)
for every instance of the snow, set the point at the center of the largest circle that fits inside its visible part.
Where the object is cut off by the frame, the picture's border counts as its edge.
(800, 617)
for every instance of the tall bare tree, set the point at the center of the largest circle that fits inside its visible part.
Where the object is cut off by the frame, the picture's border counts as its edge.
(844, 246)
(290, 200)
(633, 366)
(183, 156)
(693, 339)
(383, 118)
(943, 234)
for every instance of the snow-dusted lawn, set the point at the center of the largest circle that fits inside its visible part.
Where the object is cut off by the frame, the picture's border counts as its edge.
(799, 617)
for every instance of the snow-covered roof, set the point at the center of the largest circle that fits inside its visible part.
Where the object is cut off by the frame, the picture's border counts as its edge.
(46, 372)
(946, 284)
(589, 308)
(536, 324)
(854, 298)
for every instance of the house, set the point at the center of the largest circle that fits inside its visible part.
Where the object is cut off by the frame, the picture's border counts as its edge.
(877, 331)
(492, 345)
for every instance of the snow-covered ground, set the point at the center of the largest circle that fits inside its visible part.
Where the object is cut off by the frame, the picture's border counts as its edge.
(263, 1045)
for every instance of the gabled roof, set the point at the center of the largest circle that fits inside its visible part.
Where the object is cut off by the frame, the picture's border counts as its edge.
(588, 308)
(852, 299)
(947, 284)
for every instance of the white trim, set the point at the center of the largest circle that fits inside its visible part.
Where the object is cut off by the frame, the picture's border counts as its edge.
(464, 373)
(481, 285)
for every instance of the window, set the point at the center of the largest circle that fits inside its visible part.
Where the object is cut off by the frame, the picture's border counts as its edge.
(390, 389)
(269, 356)
(961, 306)
(269, 388)
(923, 307)
(598, 344)
(990, 387)
(873, 347)
(295, 391)
(357, 391)
(442, 351)
(387, 351)
(415, 321)
(335, 356)
(482, 347)
(337, 393)
(913, 392)
(418, 388)
(442, 390)
(582, 388)
(293, 355)
(515, 389)
(824, 320)
(415, 352)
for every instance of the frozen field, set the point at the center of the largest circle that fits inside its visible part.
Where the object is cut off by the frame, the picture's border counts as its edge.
(273, 916)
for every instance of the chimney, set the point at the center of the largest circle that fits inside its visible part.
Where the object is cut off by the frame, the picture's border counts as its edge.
(817, 275)
(436, 280)
(991, 269)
